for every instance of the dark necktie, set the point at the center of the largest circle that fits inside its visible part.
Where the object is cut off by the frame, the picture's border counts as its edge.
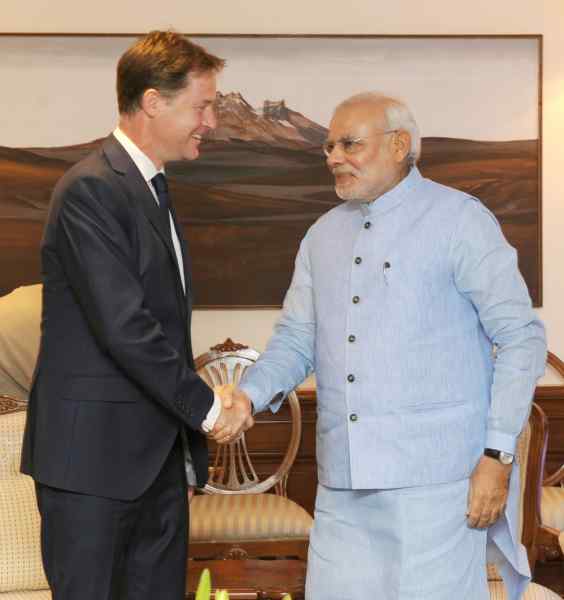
(161, 187)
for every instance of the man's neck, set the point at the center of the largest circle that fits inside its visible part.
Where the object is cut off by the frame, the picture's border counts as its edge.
(400, 176)
(137, 130)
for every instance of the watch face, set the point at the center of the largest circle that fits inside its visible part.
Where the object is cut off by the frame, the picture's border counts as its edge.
(505, 458)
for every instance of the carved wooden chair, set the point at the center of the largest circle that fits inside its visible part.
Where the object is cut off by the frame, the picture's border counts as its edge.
(531, 450)
(244, 510)
(551, 532)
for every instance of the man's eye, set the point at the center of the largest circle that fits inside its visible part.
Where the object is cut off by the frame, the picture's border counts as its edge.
(349, 145)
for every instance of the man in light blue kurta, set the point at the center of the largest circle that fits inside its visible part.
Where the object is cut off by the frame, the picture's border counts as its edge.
(398, 298)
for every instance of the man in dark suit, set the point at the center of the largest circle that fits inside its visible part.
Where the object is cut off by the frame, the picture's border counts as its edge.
(116, 406)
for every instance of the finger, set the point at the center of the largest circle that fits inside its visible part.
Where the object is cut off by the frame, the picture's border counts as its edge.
(485, 520)
(475, 511)
(223, 441)
(490, 511)
(223, 436)
(249, 422)
(498, 512)
(470, 499)
(222, 432)
(227, 398)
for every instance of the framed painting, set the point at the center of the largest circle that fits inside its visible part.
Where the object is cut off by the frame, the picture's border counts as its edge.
(261, 179)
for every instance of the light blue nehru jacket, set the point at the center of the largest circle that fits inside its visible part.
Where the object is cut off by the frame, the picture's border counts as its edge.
(396, 305)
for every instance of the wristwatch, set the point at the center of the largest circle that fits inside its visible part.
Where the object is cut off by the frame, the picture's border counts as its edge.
(504, 457)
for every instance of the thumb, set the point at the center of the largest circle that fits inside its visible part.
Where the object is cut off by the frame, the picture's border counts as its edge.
(225, 392)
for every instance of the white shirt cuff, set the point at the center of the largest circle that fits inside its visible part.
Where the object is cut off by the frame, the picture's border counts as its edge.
(213, 414)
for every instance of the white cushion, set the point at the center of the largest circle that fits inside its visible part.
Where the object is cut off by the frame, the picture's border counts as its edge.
(533, 592)
(246, 518)
(23, 595)
(20, 322)
(552, 507)
(20, 547)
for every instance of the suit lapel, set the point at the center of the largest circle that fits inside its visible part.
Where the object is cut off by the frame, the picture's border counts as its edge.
(122, 163)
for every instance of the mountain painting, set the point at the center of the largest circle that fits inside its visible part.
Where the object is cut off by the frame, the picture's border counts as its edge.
(258, 185)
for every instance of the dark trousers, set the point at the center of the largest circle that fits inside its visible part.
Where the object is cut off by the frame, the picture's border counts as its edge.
(103, 549)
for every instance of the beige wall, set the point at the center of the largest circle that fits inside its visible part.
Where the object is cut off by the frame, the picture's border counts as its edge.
(354, 16)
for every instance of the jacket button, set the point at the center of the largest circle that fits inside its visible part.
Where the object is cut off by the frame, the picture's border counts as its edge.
(350, 378)
(352, 338)
(358, 260)
(353, 417)
(356, 299)
(367, 225)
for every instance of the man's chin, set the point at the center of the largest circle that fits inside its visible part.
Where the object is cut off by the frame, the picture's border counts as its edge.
(192, 152)
(345, 193)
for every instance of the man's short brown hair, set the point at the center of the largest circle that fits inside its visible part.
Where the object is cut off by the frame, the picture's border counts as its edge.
(162, 60)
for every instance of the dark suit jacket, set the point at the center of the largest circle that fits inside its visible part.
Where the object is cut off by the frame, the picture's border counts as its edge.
(115, 379)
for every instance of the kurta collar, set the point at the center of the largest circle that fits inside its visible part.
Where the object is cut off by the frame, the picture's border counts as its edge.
(393, 197)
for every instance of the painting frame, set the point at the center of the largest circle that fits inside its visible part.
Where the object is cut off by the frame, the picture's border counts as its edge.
(536, 38)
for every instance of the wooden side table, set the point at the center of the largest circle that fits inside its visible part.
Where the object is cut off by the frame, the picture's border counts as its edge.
(250, 579)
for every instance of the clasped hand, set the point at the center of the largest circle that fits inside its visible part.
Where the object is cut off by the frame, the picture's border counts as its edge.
(235, 416)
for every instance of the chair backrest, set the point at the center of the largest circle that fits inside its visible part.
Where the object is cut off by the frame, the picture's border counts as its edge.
(233, 471)
(555, 363)
(20, 324)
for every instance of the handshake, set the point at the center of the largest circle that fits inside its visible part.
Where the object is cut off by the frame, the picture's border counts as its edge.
(235, 416)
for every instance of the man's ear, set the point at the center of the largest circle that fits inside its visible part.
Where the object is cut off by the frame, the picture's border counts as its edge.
(401, 145)
(151, 102)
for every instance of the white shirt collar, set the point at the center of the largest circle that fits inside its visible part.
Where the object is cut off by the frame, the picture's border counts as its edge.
(141, 160)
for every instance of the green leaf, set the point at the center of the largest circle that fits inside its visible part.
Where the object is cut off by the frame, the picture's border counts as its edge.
(204, 586)
(221, 595)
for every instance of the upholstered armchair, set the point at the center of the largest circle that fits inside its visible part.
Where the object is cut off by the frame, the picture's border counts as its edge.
(235, 516)
(21, 571)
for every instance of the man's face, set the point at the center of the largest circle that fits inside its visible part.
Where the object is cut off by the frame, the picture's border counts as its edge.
(373, 168)
(181, 121)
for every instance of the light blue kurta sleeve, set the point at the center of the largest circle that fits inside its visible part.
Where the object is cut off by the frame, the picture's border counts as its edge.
(289, 355)
(486, 272)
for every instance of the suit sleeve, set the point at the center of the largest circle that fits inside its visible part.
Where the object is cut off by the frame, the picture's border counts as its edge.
(99, 262)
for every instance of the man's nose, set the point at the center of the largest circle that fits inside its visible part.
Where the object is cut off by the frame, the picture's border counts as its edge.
(210, 117)
(336, 156)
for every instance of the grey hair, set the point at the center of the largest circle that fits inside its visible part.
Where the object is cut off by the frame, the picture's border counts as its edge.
(398, 116)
